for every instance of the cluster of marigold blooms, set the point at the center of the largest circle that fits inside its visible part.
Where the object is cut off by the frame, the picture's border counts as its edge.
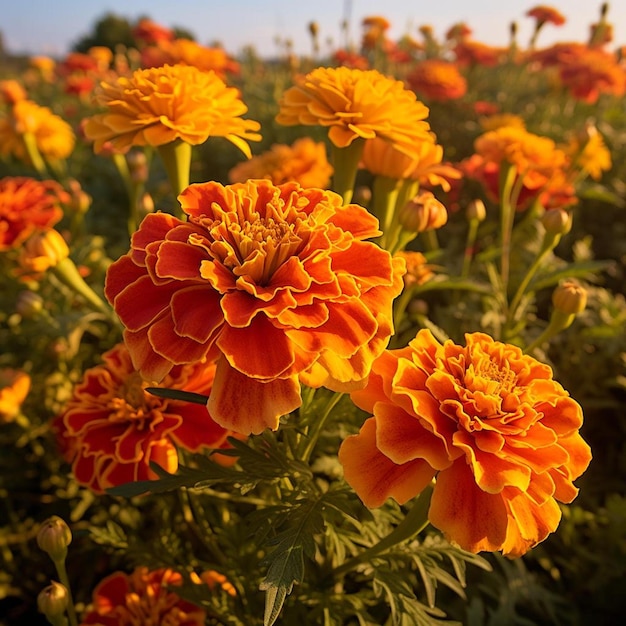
(257, 288)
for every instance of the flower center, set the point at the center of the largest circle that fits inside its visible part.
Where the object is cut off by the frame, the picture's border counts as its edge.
(499, 380)
(130, 402)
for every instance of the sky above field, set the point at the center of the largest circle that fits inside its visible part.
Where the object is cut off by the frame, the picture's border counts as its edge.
(52, 26)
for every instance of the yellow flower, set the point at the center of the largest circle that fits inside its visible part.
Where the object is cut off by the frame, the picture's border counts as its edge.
(357, 104)
(304, 162)
(589, 153)
(54, 137)
(159, 105)
(492, 122)
(42, 251)
(14, 387)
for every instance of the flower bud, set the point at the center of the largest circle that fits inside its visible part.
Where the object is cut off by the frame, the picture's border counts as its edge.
(569, 298)
(43, 250)
(137, 166)
(53, 602)
(314, 29)
(422, 213)
(146, 205)
(53, 537)
(557, 221)
(362, 195)
(476, 210)
(28, 304)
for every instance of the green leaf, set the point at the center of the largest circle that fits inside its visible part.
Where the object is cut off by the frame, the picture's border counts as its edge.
(581, 269)
(177, 394)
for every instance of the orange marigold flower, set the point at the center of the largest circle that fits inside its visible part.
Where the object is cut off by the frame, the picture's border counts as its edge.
(11, 91)
(356, 103)
(43, 250)
(54, 136)
(277, 282)
(45, 65)
(14, 387)
(189, 52)
(437, 79)
(304, 162)
(26, 205)
(502, 119)
(149, 32)
(457, 31)
(159, 105)
(418, 270)
(544, 14)
(352, 60)
(488, 422)
(475, 53)
(143, 597)
(111, 429)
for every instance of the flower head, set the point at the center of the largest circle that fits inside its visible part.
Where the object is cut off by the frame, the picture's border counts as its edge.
(277, 282)
(14, 387)
(111, 429)
(489, 423)
(27, 205)
(546, 14)
(143, 597)
(438, 79)
(304, 162)
(43, 250)
(53, 136)
(159, 105)
(356, 104)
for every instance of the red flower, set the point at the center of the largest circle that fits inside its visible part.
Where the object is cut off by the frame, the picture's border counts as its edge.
(277, 282)
(141, 598)
(111, 428)
(27, 205)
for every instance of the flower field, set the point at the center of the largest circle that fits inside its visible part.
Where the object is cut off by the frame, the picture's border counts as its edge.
(333, 339)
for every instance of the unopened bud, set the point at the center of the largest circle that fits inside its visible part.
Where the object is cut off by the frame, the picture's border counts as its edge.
(28, 304)
(422, 213)
(476, 210)
(43, 250)
(53, 602)
(569, 298)
(362, 195)
(137, 166)
(53, 537)
(557, 221)
(146, 204)
(314, 29)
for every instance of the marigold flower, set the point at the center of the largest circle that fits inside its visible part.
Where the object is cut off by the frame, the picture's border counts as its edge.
(27, 205)
(488, 422)
(418, 270)
(159, 105)
(469, 52)
(437, 79)
(350, 59)
(150, 32)
(304, 162)
(14, 387)
(492, 122)
(41, 251)
(111, 429)
(45, 65)
(11, 91)
(142, 597)
(422, 213)
(589, 154)
(356, 103)
(544, 14)
(189, 52)
(53, 136)
(278, 282)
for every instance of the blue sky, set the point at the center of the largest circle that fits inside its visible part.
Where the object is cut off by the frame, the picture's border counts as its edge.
(51, 26)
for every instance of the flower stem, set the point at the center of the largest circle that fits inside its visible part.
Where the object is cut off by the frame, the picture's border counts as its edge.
(469, 247)
(346, 165)
(64, 580)
(176, 157)
(507, 218)
(30, 143)
(414, 522)
(317, 427)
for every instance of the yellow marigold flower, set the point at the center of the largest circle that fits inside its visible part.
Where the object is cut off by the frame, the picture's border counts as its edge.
(304, 162)
(490, 424)
(492, 122)
(14, 387)
(589, 153)
(54, 137)
(45, 65)
(159, 105)
(357, 104)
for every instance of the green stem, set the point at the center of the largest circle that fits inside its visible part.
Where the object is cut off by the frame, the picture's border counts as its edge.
(414, 522)
(346, 165)
(176, 157)
(469, 247)
(64, 580)
(558, 322)
(385, 192)
(67, 272)
(317, 427)
(30, 143)
(507, 218)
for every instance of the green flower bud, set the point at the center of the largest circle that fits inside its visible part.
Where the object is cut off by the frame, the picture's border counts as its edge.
(53, 602)
(569, 298)
(53, 537)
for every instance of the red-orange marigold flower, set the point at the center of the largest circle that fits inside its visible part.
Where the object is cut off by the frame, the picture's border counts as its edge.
(437, 79)
(143, 597)
(277, 282)
(304, 162)
(544, 14)
(27, 205)
(111, 429)
(498, 433)
(356, 103)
